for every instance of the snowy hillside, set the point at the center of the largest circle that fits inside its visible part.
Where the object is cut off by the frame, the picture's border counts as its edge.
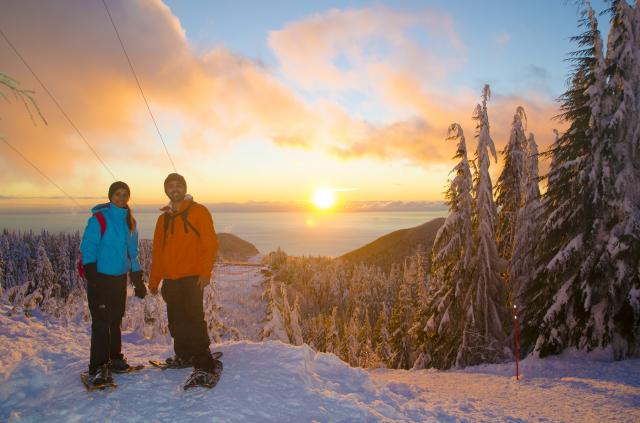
(40, 362)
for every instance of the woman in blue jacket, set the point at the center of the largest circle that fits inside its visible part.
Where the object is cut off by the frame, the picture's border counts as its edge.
(109, 252)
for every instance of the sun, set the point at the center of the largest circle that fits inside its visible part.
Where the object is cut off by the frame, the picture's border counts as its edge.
(323, 198)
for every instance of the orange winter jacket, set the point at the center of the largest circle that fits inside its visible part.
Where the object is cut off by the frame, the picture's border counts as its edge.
(183, 247)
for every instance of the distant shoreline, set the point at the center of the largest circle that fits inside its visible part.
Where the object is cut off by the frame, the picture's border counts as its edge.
(253, 207)
(297, 233)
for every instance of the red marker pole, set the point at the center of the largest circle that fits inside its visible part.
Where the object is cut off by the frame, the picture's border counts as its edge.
(515, 318)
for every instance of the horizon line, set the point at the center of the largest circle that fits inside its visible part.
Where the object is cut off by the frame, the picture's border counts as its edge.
(250, 206)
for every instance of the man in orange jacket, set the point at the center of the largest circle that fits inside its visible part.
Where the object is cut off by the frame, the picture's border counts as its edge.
(184, 249)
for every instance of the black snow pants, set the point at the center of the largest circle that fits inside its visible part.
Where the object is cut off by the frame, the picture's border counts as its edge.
(186, 320)
(107, 297)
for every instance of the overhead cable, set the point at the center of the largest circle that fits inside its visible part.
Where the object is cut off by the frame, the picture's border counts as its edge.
(135, 76)
(44, 175)
(73, 125)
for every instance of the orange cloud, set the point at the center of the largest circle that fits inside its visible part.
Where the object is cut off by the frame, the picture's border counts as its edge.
(205, 101)
(335, 50)
(213, 98)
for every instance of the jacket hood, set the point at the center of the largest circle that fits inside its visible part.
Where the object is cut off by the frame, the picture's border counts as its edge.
(100, 207)
(108, 208)
(187, 200)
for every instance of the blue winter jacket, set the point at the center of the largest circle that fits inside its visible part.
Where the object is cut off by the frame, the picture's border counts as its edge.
(116, 251)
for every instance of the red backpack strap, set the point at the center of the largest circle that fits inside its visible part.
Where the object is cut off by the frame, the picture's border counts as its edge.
(102, 221)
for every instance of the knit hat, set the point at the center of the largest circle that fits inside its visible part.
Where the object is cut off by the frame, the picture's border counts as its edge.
(175, 177)
(116, 186)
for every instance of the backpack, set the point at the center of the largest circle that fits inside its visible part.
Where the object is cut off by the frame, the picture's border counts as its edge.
(169, 220)
(103, 227)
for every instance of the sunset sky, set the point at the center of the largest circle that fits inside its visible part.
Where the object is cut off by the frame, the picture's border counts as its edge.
(267, 101)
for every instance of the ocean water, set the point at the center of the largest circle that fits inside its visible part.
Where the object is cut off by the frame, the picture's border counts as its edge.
(297, 233)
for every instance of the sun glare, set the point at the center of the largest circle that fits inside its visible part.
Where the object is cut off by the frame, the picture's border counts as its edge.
(323, 198)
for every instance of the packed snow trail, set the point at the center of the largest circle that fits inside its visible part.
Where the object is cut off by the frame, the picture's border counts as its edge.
(40, 363)
(267, 381)
(240, 298)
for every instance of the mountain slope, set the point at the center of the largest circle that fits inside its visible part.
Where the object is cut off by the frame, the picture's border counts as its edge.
(396, 246)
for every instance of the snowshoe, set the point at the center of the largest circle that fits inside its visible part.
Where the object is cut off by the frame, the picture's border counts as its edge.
(171, 363)
(101, 379)
(131, 369)
(205, 378)
(160, 364)
(177, 362)
(120, 365)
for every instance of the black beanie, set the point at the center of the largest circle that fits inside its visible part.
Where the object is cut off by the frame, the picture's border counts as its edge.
(116, 186)
(175, 177)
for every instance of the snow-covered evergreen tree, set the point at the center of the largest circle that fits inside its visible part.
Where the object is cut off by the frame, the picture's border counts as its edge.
(313, 332)
(62, 265)
(585, 292)
(42, 283)
(566, 211)
(351, 341)
(7, 263)
(368, 356)
(215, 327)
(402, 318)
(285, 309)
(155, 317)
(439, 336)
(296, 331)
(484, 302)
(332, 337)
(274, 323)
(521, 266)
(623, 129)
(510, 187)
(382, 345)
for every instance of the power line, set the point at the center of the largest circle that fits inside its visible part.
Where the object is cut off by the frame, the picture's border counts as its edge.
(39, 171)
(15, 50)
(135, 76)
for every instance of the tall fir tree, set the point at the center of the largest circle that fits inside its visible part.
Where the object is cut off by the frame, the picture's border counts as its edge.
(441, 318)
(565, 212)
(332, 337)
(8, 270)
(212, 310)
(296, 330)
(285, 309)
(274, 327)
(585, 291)
(382, 345)
(368, 356)
(510, 188)
(62, 265)
(43, 276)
(617, 175)
(521, 266)
(484, 304)
(351, 340)
(402, 318)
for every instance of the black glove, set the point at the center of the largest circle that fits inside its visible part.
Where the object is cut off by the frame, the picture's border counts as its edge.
(140, 289)
(91, 272)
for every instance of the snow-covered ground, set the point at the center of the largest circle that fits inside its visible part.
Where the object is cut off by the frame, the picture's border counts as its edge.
(40, 364)
(239, 295)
